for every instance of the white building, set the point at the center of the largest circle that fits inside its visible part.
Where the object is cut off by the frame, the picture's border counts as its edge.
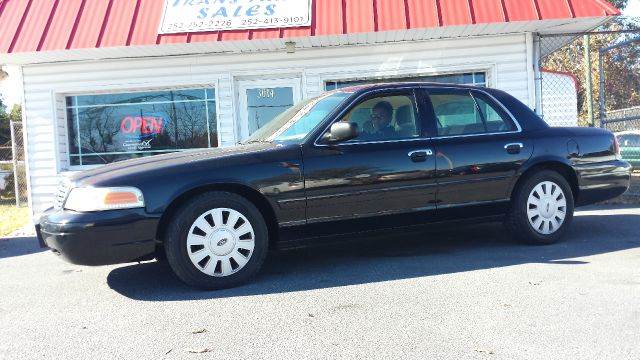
(108, 80)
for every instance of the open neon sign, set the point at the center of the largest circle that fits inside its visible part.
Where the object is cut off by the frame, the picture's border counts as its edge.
(144, 126)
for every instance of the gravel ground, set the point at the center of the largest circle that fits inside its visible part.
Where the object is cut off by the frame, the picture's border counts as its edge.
(467, 293)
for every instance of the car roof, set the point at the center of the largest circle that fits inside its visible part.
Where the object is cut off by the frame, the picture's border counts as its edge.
(525, 116)
(395, 85)
(628, 132)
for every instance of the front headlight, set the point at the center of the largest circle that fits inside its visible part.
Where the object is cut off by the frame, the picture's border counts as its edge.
(86, 199)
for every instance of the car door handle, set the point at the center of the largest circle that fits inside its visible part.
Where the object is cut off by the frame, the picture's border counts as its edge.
(514, 148)
(420, 155)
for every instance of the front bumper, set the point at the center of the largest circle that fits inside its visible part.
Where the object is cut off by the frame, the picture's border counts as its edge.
(602, 181)
(99, 238)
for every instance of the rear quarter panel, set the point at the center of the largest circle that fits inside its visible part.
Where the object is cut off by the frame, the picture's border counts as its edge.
(590, 152)
(602, 175)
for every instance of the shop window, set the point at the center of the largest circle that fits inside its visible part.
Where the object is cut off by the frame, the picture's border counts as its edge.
(106, 128)
(471, 78)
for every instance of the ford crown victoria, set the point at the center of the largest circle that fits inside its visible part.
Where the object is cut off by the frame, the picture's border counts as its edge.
(348, 163)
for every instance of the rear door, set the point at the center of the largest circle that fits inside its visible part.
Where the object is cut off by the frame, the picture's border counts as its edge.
(479, 148)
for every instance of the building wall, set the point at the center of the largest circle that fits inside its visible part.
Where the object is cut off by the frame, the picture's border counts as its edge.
(505, 58)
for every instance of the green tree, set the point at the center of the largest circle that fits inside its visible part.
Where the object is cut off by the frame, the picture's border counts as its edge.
(15, 114)
(5, 132)
(620, 4)
(621, 66)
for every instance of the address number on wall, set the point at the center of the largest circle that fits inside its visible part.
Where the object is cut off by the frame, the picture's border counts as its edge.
(266, 93)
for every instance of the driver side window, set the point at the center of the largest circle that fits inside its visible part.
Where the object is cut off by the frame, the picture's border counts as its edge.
(385, 118)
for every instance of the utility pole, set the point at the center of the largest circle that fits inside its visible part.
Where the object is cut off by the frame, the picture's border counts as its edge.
(589, 81)
(602, 98)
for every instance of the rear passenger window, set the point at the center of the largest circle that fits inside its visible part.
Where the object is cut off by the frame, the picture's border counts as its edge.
(496, 120)
(460, 113)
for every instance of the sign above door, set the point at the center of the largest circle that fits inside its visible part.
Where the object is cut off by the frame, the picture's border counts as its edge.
(182, 16)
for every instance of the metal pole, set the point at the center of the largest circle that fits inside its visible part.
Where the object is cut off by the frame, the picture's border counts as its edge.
(587, 64)
(601, 90)
(14, 156)
(537, 44)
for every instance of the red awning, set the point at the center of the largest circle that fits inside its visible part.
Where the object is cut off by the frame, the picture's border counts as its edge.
(47, 25)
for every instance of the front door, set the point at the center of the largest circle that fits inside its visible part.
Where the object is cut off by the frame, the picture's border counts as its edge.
(389, 169)
(260, 101)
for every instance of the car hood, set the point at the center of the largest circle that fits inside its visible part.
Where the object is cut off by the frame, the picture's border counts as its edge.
(156, 162)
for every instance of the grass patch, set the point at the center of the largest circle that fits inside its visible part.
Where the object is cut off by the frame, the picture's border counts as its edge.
(12, 218)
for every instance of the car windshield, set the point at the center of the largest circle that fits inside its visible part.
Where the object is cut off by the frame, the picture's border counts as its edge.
(297, 122)
(631, 140)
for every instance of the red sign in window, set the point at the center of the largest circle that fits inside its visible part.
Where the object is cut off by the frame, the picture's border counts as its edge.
(143, 125)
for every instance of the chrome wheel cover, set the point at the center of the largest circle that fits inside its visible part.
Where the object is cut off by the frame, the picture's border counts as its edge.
(220, 242)
(546, 208)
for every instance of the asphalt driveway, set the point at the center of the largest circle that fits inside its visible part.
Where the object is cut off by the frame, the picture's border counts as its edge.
(466, 293)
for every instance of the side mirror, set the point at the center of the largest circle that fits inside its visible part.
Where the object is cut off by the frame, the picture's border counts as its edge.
(341, 131)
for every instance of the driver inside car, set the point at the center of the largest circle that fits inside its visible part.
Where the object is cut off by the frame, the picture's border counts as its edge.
(379, 127)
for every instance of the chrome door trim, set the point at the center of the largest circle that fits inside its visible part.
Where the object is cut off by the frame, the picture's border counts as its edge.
(470, 135)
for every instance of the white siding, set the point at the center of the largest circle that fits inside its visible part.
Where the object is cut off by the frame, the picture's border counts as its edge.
(503, 57)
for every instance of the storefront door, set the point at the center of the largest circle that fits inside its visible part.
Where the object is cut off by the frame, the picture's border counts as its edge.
(262, 100)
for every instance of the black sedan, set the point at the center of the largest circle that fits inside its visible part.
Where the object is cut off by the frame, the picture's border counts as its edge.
(350, 162)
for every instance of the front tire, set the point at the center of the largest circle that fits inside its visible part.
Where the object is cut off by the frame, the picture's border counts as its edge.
(217, 240)
(541, 209)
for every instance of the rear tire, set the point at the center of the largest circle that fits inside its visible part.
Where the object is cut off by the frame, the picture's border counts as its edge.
(541, 209)
(217, 240)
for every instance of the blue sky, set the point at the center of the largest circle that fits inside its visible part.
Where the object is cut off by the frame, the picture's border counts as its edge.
(633, 8)
(10, 88)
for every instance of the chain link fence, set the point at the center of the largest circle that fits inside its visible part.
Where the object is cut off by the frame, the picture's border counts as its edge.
(623, 120)
(13, 177)
(559, 80)
(593, 79)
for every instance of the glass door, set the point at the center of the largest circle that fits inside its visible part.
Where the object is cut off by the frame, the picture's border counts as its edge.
(260, 101)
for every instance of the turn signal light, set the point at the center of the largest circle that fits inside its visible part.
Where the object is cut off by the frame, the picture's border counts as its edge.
(116, 198)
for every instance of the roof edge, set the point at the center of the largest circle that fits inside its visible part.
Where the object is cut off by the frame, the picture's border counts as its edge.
(545, 27)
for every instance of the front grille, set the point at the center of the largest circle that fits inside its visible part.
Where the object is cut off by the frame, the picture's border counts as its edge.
(61, 194)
